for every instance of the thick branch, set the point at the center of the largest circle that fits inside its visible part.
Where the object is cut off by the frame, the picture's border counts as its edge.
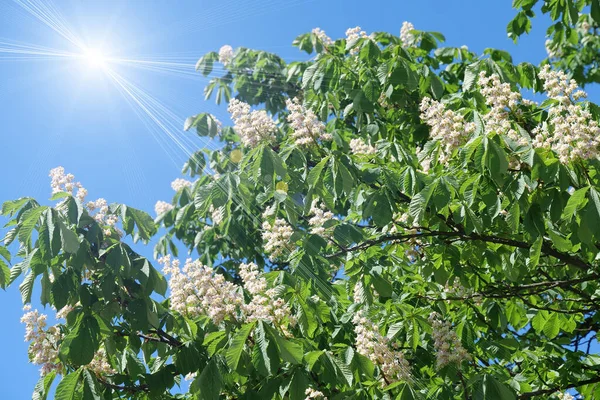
(555, 389)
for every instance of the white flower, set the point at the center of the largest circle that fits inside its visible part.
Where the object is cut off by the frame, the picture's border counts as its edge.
(305, 125)
(197, 290)
(448, 347)
(359, 147)
(62, 182)
(406, 36)
(500, 97)
(265, 304)
(253, 127)
(447, 127)
(314, 394)
(180, 183)
(571, 131)
(277, 237)
(320, 215)
(353, 34)
(162, 207)
(225, 54)
(371, 344)
(216, 214)
(326, 40)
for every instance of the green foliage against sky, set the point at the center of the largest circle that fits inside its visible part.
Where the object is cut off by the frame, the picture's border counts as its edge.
(390, 219)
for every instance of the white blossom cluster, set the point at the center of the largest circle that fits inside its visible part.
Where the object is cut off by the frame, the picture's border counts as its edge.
(448, 347)
(360, 147)
(277, 237)
(253, 127)
(353, 34)
(326, 40)
(447, 127)
(61, 182)
(180, 183)
(320, 215)
(162, 207)
(100, 365)
(197, 290)
(371, 344)
(216, 214)
(265, 304)
(571, 131)
(500, 98)
(43, 349)
(306, 127)
(406, 35)
(225, 54)
(314, 394)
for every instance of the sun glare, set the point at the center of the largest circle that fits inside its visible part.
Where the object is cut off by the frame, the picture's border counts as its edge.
(94, 58)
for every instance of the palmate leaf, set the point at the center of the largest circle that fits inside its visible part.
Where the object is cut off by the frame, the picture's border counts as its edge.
(66, 389)
(237, 345)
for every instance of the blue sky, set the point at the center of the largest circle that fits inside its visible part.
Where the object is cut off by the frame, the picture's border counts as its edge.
(60, 111)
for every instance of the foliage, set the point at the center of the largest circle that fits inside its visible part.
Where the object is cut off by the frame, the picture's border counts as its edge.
(573, 42)
(373, 245)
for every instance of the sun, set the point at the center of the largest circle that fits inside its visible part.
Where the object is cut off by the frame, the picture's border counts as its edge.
(94, 58)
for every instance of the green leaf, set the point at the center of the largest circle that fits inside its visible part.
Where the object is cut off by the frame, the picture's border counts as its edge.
(552, 326)
(237, 345)
(26, 287)
(535, 251)
(69, 239)
(595, 10)
(42, 387)
(27, 223)
(209, 382)
(492, 389)
(418, 204)
(144, 222)
(290, 351)
(91, 387)
(81, 343)
(4, 275)
(298, 386)
(66, 389)
(575, 202)
(315, 174)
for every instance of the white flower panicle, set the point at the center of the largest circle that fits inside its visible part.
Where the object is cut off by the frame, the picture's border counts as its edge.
(306, 127)
(162, 207)
(314, 394)
(353, 34)
(500, 98)
(448, 347)
(43, 349)
(197, 290)
(253, 127)
(447, 127)
(406, 35)
(371, 344)
(265, 304)
(62, 182)
(326, 40)
(225, 54)
(180, 183)
(320, 215)
(100, 365)
(216, 214)
(277, 237)
(571, 132)
(360, 147)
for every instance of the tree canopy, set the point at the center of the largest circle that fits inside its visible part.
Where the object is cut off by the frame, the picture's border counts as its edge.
(390, 219)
